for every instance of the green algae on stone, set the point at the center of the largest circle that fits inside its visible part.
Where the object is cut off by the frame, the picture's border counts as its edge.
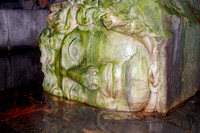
(111, 54)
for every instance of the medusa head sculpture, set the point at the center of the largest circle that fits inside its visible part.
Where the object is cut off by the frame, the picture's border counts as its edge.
(107, 53)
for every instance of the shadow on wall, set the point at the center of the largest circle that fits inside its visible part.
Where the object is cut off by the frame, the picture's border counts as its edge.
(21, 28)
(20, 67)
(27, 4)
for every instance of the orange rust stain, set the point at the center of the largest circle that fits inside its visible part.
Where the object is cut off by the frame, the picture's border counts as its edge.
(196, 16)
(91, 131)
(18, 112)
(43, 3)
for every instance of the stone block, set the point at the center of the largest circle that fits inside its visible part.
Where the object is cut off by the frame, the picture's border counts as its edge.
(124, 55)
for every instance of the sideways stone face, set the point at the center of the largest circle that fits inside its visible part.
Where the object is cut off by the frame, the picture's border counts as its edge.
(125, 55)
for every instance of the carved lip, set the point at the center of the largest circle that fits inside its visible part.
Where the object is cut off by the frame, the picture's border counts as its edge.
(107, 78)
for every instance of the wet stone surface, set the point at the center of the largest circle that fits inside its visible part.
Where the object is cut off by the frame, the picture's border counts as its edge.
(29, 109)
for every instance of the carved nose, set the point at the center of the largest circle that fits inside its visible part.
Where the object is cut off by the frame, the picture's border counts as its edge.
(93, 78)
(88, 76)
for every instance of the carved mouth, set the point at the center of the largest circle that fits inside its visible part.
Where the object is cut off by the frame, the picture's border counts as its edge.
(107, 80)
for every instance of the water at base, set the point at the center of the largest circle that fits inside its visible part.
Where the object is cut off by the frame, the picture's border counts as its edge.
(29, 109)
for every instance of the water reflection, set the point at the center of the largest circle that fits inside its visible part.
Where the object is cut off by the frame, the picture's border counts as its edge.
(88, 119)
(29, 109)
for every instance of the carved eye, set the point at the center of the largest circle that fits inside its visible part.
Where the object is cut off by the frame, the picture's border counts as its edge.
(72, 51)
(75, 51)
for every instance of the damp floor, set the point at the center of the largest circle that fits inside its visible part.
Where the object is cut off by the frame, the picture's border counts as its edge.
(28, 109)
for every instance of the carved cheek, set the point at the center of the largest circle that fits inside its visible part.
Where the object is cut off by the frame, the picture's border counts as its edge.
(137, 81)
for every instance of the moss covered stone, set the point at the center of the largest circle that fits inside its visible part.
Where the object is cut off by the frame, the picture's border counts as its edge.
(113, 54)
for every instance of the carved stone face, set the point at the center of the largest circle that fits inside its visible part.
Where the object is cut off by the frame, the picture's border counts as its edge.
(106, 64)
(107, 53)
